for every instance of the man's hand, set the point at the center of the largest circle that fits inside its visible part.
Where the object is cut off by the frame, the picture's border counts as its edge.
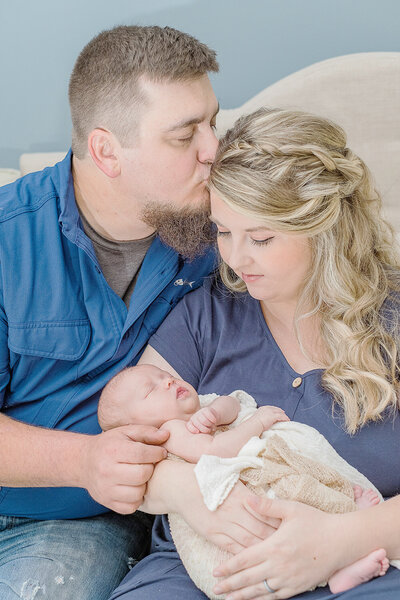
(204, 420)
(117, 464)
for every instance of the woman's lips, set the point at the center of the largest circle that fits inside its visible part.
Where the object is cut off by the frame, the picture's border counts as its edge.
(249, 278)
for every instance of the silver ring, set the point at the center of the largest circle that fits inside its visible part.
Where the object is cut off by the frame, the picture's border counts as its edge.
(268, 588)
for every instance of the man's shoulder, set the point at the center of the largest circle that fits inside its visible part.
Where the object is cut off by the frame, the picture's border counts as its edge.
(26, 195)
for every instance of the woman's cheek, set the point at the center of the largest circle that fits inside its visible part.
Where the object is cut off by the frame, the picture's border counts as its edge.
(222, 250)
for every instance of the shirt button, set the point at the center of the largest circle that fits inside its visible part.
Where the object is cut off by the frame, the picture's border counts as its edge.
(296, 382)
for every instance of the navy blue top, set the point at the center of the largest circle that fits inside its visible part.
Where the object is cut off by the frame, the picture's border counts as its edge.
(221, 343)
(63, 331)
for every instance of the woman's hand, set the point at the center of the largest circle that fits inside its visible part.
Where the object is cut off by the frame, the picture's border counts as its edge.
(233, 526)
(307, 548)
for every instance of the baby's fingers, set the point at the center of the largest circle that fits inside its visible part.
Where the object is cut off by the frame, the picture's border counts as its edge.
(283, 417)
(192, 427)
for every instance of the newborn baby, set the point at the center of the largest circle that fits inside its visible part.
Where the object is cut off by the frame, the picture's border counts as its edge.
(148, 395)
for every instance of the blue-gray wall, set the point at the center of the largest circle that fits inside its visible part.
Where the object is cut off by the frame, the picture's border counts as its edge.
(257, 41)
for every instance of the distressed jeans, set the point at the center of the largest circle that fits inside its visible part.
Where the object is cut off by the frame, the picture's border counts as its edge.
(77, 559)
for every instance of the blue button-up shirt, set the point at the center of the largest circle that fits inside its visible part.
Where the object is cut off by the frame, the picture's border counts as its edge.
(63, 331)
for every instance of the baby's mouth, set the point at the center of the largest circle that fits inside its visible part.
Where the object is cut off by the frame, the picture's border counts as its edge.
(180, 392)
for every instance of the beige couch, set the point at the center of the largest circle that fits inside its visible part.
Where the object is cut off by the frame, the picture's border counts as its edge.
(361, 92)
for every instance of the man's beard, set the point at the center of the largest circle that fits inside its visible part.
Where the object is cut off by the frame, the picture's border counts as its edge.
(189, 232)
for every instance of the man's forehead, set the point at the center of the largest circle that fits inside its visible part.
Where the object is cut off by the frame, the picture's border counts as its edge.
(177, 104)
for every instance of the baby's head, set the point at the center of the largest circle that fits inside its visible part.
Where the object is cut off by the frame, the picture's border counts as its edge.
(145, 395)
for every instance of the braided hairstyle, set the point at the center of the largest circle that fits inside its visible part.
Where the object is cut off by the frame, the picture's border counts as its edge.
(294, 173)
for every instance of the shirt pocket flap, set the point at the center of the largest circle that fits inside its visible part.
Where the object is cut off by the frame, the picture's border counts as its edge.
(62, 340)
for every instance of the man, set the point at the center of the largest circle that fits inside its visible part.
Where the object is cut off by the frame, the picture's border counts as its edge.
(84, 281)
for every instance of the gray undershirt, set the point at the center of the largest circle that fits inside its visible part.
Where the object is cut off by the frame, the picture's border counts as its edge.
(119, 261)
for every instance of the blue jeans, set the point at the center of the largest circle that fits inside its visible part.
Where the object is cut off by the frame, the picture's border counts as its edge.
(81, 559)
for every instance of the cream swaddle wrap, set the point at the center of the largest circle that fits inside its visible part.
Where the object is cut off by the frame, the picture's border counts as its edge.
(290, 460)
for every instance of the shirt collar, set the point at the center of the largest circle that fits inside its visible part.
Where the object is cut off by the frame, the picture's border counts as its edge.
(69, 215)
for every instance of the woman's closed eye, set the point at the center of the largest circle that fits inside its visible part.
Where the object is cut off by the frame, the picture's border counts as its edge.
(262, 242)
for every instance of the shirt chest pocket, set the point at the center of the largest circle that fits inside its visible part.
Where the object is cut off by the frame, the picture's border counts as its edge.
(58, 340)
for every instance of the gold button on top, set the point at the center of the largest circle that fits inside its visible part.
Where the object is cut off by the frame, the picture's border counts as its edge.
(296, 382)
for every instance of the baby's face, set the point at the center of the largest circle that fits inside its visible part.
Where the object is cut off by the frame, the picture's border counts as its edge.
(158, 397)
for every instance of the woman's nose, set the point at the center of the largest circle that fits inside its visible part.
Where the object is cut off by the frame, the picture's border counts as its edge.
(238, 259)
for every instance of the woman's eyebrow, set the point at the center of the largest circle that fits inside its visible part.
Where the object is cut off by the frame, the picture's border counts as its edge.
(249, 230)
(259, 228)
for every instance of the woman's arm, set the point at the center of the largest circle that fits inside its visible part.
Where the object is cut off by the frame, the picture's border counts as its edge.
(152, 357)
(233, 526)
(309, 546)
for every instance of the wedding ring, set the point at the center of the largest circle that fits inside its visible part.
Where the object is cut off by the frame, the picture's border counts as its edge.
(268, 588)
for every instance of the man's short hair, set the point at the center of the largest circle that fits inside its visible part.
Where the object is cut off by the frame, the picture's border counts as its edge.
(104, 88)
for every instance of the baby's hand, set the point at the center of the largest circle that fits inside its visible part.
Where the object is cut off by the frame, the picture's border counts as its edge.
(203, 421)
(269, 415)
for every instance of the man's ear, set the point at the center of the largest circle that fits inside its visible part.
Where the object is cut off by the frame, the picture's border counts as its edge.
(103, 148)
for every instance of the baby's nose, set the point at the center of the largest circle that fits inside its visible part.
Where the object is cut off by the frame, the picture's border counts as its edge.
(168, 382)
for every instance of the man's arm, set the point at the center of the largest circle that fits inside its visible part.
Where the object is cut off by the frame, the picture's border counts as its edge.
(113, 466)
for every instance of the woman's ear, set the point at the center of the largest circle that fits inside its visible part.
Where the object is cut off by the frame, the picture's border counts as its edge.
(103, 148)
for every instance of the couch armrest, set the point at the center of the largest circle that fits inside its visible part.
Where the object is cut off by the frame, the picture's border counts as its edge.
(36, 161)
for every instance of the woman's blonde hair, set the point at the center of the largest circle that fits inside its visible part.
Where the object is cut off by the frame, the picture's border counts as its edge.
(292, 171)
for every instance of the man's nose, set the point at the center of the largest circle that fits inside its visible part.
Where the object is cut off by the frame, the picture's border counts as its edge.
(208, 147)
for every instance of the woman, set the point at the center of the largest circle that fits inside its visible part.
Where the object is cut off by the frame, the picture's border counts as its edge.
(311, 326)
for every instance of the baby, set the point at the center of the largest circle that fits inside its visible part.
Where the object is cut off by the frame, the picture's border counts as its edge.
(149, 396)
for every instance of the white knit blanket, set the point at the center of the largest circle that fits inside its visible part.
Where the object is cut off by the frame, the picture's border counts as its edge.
(217, 476)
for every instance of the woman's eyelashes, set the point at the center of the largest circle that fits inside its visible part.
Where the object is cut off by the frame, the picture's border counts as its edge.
(263, 242)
